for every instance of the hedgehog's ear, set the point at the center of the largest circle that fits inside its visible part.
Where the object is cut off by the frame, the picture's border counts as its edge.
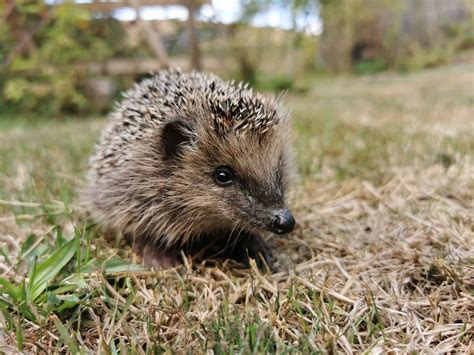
(174, 136)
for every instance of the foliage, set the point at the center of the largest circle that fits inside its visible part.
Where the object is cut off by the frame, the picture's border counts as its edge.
(361, 36)
(290, 50)
(370, 66)
(456, 37)
(367, 36)
(275, 83)
(43, 74)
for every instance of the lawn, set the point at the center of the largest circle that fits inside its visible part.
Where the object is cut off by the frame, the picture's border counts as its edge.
(382, 257)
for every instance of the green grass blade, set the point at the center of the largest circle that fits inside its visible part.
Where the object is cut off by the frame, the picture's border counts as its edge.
(120, 265)
(48, 269)
(71, 343)
(10, 289)
(19, 334)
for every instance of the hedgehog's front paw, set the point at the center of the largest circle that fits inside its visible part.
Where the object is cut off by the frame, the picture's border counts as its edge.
(160, 259)
(252, 246)
(259, 250)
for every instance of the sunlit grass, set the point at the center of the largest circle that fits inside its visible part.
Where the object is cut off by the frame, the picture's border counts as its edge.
(381, 259)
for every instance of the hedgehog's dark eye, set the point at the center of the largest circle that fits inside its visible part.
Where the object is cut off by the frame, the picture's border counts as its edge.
(223, 176)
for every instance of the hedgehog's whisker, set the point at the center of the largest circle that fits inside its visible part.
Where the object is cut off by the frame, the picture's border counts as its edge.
(229, 237)
(237, 238)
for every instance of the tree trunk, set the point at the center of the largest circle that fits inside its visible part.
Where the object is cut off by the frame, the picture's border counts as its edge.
(152, 35)
(193, 38)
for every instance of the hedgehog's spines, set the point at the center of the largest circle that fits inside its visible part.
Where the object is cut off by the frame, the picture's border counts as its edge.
(234, 106)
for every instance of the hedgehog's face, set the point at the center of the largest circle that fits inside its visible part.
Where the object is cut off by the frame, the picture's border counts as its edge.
(238, 181)
(253, 203)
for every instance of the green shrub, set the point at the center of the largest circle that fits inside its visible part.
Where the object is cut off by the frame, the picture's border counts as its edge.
(45, 76)
(278, 82)
(370, 66)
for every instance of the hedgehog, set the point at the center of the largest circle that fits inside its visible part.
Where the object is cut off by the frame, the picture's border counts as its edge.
(191, 162)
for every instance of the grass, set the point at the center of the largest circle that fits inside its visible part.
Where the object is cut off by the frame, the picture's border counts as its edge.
(381, 259)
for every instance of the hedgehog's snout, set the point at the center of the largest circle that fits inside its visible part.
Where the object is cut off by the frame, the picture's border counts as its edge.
(283, 221)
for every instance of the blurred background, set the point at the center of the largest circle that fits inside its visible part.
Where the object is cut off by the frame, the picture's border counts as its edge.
(73, 58)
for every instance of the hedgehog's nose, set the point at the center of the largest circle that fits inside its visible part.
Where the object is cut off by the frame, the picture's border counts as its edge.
(283, 221)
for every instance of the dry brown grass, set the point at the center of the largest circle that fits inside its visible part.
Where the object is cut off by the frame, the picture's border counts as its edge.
(382, 259)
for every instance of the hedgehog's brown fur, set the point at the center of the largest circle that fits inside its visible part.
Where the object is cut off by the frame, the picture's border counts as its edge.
(152, 174)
